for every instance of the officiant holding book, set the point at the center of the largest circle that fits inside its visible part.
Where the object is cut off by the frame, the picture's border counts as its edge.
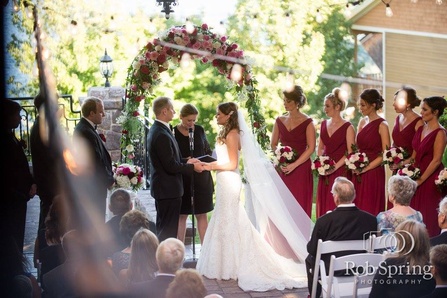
(191, 138)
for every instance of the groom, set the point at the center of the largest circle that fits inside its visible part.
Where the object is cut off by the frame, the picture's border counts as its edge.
(166, 169)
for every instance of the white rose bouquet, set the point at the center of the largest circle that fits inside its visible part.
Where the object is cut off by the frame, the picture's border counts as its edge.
(128, 176)
(284, 155)
(356, 161)
(441, 180)
(410, 171)
(394, 155)
(321, 165)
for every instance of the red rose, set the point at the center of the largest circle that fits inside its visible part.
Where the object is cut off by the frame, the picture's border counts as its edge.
(149, 46)
(256, 124)
(204, 27)
(124, 132)
(161, 58)
(103, 137)
(144, 69)
(135, 114)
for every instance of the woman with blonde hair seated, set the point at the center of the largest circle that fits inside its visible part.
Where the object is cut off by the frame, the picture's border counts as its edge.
(400, 191)
(143, 264)
(407, 272)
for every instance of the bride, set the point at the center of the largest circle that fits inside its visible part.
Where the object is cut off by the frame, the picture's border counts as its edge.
(263, 245)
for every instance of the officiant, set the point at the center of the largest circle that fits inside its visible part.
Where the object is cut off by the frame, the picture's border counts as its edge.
(192, 142)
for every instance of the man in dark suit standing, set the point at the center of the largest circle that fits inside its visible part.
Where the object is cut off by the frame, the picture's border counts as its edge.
(442, 222)
(99, 177)
(166, 169)
(45, 170)
(346, 222)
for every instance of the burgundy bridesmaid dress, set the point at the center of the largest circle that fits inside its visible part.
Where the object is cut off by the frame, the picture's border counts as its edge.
(402, 138)
(335, 147)
(370, 188)
(300, 181)
(427, 197)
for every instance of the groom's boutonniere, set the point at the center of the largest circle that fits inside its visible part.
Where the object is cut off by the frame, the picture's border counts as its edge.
(103, 137)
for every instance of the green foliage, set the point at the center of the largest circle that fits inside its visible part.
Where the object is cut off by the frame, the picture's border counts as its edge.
(272, 43)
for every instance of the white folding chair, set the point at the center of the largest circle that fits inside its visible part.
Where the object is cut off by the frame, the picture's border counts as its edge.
(382, 244)
(361, 264)
(362, 285)
(325, 247)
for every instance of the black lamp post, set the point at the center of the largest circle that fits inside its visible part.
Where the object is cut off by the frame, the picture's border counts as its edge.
(106, 67)
(167, 6)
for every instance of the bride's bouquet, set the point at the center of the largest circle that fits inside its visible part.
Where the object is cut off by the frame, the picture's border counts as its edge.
(356, 161)
(284, 155)
(128, 176)
(394, 155)
(321, 165)
(441, 180)
(410, 171)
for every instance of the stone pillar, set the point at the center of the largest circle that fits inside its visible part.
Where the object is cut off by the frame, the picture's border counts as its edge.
(113, 106)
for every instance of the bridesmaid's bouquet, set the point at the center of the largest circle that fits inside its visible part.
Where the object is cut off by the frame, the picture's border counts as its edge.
(441, 180)
(356, 161)
(128, 176)
(410, 171)
(321, 165)
(284, 155)
(394, 155)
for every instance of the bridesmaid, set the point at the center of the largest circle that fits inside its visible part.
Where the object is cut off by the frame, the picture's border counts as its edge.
(336, 138)
(296, 129)
(372, 138)
(429, 144)
(407, 122)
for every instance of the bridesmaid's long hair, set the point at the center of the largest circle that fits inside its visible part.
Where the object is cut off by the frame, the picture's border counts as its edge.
(228, 108)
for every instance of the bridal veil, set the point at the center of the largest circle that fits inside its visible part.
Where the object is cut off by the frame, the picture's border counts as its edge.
(272, 208)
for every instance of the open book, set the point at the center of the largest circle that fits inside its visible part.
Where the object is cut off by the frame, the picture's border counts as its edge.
(206, 158)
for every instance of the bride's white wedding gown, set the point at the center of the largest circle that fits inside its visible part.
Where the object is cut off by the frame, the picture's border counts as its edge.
(234, 249)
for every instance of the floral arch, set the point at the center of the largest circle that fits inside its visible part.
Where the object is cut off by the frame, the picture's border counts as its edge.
(202, 44)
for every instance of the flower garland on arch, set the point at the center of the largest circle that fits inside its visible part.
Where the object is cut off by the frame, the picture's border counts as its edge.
(209, 48)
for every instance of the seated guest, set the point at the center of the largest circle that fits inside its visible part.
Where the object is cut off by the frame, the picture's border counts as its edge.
(346, 222)
(442, 222)
(15, 277)
(142, 264)
(130, 223)
(120, 203)
(406, 273)
(60, 282)
(438, 261)
(187, 283)
(400, 191)
(170, 255)
(52, 254)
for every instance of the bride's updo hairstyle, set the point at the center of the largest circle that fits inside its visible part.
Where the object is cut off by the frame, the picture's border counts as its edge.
(334, 97)
(436, 103)
(297, 95)
(373, 96)
(228, 108)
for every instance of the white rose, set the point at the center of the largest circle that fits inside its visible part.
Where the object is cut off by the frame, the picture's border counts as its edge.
(321, 171)
(123, 181)
(134, 181)
(351, 166)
